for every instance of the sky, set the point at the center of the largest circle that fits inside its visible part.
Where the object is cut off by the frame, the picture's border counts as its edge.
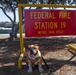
(3, 18)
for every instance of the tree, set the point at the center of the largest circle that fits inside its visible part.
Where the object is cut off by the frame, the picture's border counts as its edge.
(9, 5)
(12, 5)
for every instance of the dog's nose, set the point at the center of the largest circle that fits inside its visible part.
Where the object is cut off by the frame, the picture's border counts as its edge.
(33, 51)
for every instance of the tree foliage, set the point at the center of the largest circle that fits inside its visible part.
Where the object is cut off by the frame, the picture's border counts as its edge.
(12, 5)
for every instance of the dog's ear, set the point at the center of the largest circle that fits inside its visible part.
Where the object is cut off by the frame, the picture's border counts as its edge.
(27, 47)
(36, 46)
(24, 50)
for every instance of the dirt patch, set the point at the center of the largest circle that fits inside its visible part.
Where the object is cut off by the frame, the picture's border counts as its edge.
(60, 60)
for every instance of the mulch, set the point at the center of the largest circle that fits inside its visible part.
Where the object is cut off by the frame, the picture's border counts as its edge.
(54, 50)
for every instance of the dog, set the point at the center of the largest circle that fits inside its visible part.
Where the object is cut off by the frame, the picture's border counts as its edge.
(33, 56)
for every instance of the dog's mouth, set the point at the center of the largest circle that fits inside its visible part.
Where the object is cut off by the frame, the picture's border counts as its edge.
(33, 52)
(32, 55)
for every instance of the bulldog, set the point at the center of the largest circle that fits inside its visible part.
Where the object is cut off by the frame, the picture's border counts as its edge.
(33, 57)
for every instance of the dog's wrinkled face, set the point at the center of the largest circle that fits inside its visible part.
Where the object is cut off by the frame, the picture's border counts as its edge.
(33, 56)
(33, 49)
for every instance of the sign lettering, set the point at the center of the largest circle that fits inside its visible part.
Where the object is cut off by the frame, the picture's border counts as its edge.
(40, 23)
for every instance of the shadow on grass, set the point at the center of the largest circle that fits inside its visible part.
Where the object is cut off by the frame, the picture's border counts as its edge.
(54, 64)
(51, 44)
(9, 51)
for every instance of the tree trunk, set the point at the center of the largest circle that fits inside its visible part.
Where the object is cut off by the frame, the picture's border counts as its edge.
(13, 33)
(15, 26)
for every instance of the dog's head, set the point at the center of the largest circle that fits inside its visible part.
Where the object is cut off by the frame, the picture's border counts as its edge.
(32, 49)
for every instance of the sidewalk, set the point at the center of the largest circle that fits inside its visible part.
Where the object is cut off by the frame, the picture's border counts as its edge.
(3, 36)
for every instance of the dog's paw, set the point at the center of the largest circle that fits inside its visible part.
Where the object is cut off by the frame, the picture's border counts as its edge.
(29, 71)
(41, 70)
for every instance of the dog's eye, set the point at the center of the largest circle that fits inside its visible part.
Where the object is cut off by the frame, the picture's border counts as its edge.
(28, 48)
(34, 48)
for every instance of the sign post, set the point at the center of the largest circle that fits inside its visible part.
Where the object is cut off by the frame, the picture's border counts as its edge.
(20, 6)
